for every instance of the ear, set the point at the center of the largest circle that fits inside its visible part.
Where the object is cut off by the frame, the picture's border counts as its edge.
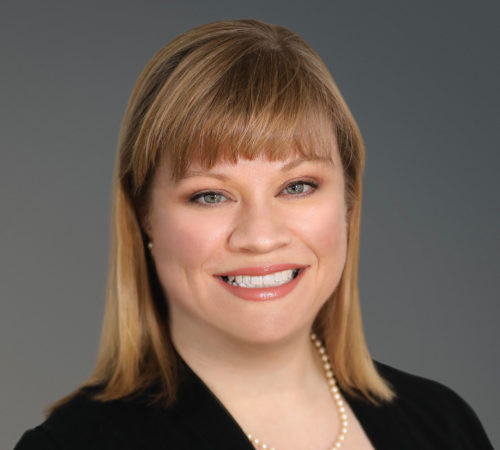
(145, 223)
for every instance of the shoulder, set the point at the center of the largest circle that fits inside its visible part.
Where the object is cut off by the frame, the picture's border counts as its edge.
(36, 438)
(84, 423)
(418, 390)
(434, 407)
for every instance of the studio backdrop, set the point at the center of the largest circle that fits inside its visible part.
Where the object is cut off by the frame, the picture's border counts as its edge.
(421, 79)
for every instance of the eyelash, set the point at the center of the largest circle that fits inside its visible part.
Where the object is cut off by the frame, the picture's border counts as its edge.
(195, 199)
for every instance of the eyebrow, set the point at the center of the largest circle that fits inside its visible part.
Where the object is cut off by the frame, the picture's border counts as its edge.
(287, 167)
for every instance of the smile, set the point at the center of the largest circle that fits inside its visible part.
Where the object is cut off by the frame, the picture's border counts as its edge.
(262, 283)
(270, 280)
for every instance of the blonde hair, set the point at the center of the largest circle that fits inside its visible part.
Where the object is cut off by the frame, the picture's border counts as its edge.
(222, 91)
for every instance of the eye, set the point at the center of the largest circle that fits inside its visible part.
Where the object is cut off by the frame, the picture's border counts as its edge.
(300, 188)
(208, 198)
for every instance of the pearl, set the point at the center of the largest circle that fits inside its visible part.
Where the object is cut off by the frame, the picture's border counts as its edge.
(335, 394)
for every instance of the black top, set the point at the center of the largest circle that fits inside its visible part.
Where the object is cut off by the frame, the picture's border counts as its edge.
(425, 415)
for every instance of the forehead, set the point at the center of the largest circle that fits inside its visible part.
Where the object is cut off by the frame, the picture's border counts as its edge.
(282, 162)
(321, 148)
(283, 165)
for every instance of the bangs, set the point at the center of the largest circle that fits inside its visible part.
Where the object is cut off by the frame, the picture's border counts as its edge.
(238, 102)
(275, 137)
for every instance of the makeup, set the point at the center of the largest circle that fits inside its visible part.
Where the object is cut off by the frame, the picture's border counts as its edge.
(262, 283)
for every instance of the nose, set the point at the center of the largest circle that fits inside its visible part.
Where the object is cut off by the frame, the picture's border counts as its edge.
(259, 229)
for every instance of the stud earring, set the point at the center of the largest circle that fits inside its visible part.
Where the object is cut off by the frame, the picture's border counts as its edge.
(150, 245)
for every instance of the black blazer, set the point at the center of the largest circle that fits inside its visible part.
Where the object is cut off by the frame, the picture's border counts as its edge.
(426, 415)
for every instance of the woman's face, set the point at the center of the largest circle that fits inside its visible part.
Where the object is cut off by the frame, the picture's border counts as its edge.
(218, 233)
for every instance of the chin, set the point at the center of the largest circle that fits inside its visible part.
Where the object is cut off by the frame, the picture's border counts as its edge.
(268, 331)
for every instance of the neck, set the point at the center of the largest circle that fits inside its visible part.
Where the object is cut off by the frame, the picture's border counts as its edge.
(233, 368)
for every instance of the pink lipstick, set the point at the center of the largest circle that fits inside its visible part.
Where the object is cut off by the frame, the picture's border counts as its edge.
(287, 280)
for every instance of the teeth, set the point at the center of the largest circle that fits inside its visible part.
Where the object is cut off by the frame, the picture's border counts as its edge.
(271, 280)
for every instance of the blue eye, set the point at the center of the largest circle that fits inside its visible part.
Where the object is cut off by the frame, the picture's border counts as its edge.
(208, 198)
(300, 187)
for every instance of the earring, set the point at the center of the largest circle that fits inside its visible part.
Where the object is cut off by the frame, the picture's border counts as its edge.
(150, 245)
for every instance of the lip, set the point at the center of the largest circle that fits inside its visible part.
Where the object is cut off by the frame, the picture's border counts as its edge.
(265, 293)
(264, 270)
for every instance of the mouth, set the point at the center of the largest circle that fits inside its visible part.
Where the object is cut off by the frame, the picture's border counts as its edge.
(262, 281)
(269, 282)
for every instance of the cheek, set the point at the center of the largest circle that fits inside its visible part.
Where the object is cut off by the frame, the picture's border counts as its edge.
(185, 241)
(331, 231)
(183, 247)
(326, 230)
(329, 234)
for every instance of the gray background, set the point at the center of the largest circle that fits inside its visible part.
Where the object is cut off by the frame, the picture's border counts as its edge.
(422, 81)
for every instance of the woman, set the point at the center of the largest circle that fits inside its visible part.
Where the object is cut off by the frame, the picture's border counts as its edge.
(232, 317)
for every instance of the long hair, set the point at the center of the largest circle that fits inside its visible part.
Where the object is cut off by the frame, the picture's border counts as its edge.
(222, 91)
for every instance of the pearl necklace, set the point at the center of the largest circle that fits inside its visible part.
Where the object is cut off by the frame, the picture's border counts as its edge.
(334, 390)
